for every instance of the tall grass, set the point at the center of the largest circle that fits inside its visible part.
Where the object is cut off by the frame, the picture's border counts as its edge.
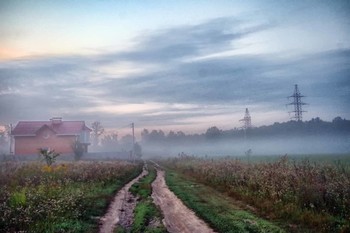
(310, 194)
(67, 197)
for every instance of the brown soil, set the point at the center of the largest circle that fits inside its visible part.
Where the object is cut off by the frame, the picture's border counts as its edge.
(121, 209)
(177, 217)
(127, 211)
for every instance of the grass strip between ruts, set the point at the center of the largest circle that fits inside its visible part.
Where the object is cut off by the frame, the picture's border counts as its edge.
(145, 211)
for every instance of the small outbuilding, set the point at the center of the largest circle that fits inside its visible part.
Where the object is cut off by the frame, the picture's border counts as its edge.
(54, 134)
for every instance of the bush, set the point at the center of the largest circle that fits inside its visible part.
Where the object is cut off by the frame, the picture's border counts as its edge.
(78, 149)
(49, 155)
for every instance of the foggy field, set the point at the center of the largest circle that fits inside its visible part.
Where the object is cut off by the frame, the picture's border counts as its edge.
(267, 146)
(175, 116)
(297, 193)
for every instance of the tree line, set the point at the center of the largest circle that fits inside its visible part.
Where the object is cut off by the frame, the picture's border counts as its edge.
(314, 127)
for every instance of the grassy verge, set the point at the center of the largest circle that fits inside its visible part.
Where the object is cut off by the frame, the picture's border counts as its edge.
(147, 217)
(216, 209)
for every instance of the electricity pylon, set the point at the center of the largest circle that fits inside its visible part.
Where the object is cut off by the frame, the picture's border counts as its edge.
(247, 121)
(297, 103)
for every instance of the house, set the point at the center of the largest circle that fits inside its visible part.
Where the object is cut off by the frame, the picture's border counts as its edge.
(54, 134)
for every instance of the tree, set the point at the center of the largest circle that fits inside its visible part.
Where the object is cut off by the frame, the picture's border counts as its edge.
(338, 119)
(126, 142)
(156, 136)
(97, 131)
(78, 149)
(145, 135)
(3, 140)
(138, 150)
(49, 155)
(176, 137)
(213, 133)
(110, 142)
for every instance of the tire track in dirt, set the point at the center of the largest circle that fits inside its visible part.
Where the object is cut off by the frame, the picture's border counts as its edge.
(177, 217)
(117, 207)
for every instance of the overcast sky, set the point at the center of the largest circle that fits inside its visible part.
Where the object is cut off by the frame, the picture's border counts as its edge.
(181, 65)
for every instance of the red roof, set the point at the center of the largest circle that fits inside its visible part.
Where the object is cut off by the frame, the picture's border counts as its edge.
(30, 128)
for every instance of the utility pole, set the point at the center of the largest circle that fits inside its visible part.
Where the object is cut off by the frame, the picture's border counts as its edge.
(10, 136)
(133, 140)
(297, 103)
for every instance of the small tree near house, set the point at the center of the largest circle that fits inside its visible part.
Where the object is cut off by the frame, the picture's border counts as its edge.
(78, 149)
(49, 156)
(97, 131)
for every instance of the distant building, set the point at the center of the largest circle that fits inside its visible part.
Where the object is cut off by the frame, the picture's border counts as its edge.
(55, 134)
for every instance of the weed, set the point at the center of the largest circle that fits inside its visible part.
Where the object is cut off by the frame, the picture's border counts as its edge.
(49, 156)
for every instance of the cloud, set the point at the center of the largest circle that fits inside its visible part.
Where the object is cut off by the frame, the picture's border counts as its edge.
(173, 44)
(170, 85)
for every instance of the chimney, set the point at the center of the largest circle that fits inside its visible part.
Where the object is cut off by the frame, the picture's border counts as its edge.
(56, 120)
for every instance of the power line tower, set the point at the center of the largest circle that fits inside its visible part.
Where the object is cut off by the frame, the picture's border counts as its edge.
(247, 124)
(297, 103)
(247, 120)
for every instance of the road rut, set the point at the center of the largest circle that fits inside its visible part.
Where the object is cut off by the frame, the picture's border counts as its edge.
(114, 213)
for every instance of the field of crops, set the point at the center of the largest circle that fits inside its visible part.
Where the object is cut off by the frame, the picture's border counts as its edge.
(64, 197)
(313, 195)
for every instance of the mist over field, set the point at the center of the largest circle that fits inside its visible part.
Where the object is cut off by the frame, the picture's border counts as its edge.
(187, 74)
(265, 146)
(309, 137)
(293, 137)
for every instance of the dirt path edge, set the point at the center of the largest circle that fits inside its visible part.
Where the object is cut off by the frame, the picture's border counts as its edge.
(112, 216)
(177, 217)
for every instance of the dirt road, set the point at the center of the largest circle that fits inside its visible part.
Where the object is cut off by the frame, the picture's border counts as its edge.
(177, 217)
(118, 206)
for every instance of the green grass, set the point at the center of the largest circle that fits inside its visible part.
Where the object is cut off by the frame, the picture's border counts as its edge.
(145, 211)
(143, 188)
(63, 226)
(96, 202)
(216, 209)
(99, 197)
(68, 198)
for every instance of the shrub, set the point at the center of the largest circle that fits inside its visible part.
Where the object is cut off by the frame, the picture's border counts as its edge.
(78, 149)
(49, 155)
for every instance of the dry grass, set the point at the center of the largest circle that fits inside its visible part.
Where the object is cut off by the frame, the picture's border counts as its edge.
(66, 197)
(313, 195)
